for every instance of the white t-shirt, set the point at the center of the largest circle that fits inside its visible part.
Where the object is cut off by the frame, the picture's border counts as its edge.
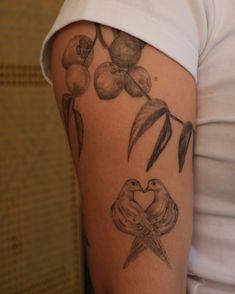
(200, 35)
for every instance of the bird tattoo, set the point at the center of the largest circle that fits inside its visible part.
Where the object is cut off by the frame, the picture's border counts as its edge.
(163, 212)
(146, 225)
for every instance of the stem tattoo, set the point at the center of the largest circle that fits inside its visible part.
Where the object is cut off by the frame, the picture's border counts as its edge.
(121, 73)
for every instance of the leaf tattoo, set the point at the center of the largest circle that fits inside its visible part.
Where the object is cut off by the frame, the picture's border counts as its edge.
(66, 101)
(149, 113)
(72, 118)
(162, 141)
(121, 73)
(184, 140)
(77, 57)
(79, 129)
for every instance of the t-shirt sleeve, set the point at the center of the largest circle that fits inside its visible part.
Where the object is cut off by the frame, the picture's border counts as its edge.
(177, 28)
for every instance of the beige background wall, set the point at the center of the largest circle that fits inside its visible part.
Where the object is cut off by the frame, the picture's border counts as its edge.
(40, 249)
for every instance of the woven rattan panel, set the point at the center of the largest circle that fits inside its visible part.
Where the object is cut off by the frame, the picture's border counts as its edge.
(39, 219)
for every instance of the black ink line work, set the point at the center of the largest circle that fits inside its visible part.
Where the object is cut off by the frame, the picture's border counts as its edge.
(121, 73)
(108, 81)
(185, 137)
(73, 119)
(145, 225)
(77, 57)
(100, 36)
(78, 51)
(124, 73)
(125, 51)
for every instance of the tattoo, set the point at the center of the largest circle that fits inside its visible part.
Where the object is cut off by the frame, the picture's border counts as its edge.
(125, 51)
(78, 51)
(146, 225)
(100, 36)
(116, 32)
(108, 81)
(120, 73)
(185, 137)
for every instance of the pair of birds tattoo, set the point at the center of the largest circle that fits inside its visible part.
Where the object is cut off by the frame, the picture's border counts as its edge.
(146, 225)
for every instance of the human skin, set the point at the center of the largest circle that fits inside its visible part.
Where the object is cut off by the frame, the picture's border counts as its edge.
(103, 167)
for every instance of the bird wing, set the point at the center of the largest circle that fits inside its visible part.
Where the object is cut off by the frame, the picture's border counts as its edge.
(163, 216)
(120, 220)
(139, 217)
(130, 218)
(168, 220)
(155, 212)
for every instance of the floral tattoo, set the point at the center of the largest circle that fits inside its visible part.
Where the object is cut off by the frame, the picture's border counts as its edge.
(120, 73)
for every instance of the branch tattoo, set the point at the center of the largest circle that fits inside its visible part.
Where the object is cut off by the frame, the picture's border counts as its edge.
(145, 225)
(123, 73)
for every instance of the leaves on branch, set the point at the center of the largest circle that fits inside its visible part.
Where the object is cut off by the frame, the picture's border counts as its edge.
(149, 113)
(66, 102)
(184, 143)
(162, 141)
(73, 122)
(80, 130)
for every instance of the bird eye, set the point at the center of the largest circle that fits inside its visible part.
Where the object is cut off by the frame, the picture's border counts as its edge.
(154, 183)
(133, 183)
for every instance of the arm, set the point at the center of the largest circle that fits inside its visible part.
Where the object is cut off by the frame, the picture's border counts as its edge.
(123, 136)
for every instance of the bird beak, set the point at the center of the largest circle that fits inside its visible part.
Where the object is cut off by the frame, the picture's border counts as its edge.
(146, 189)
(142, 190)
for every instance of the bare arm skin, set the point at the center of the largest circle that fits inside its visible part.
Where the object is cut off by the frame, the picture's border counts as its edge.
(129, 112)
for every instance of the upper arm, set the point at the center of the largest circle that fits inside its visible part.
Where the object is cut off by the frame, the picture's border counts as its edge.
(125, 121)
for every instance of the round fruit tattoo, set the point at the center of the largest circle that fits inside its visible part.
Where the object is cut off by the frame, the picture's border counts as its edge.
(121, 73)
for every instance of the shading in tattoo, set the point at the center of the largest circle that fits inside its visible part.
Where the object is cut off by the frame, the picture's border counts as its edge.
(76, 59)
(137, 81)
(125, 50)
(100, 36)
(78, 51)
(145, 225)
(120, 73)
(108, 81)
(185, 137)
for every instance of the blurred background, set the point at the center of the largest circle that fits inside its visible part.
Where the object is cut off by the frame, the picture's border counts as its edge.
(40, 248)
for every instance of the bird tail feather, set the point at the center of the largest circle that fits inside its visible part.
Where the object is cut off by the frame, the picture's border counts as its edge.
(154, 243)
(138, 246)
(142, 243)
